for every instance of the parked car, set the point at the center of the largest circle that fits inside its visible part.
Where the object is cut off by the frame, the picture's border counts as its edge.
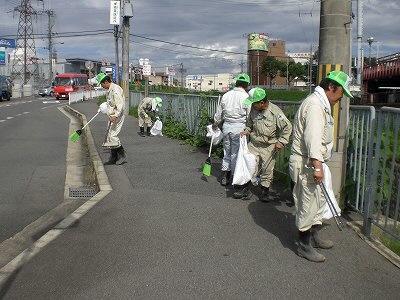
(47, 91)
(5, 88)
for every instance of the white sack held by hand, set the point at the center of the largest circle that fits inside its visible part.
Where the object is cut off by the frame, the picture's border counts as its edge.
(246, 164)
(157, 128)
(329, 189)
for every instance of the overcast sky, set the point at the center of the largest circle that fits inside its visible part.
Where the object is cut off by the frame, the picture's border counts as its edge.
(174, 32)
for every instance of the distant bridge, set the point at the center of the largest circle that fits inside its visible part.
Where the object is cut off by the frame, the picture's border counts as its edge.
(381, 82)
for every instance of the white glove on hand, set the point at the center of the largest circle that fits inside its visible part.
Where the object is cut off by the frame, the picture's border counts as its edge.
(103, 108)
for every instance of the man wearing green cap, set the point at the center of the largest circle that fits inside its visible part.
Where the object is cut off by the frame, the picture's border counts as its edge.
(232, 113)
(147, 105)
(311, 147)
(269, 131)
(116, 106)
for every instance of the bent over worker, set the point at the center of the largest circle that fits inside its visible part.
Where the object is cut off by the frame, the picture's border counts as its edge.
(269, 131)
(146, 106)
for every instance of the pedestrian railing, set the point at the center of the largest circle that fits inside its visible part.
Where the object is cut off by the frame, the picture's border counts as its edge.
(382, 201)
(372, 185)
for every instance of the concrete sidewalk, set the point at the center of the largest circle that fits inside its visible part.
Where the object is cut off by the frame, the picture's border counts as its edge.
(166, 232)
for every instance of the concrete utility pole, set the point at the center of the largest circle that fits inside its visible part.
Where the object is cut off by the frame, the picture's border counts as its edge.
(116, 36)
(334, 54)
(128, 13)
(50, 13)
(359, 41)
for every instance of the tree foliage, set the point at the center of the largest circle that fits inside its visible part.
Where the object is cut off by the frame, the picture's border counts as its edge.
(270, 67)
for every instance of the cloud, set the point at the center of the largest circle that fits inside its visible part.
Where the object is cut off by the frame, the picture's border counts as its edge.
(179, 32)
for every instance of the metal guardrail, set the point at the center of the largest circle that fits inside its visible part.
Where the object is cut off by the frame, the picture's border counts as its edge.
(85, 95)
(373, 155)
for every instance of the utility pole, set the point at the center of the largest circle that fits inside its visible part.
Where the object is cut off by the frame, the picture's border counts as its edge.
(241, 66)
(116, 36)
(128, 13)
(334, 54)
(359, 41)
(182, 70)
(50, 13)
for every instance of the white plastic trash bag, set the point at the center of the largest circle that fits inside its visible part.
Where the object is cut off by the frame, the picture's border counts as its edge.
(329, 189)
(157, 128)
(218, 136)
(246, 164)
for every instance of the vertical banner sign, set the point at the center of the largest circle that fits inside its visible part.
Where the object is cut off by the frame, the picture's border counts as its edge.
(115, 12)
(2, 57)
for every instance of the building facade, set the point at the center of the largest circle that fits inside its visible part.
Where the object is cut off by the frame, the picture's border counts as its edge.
(207, 82)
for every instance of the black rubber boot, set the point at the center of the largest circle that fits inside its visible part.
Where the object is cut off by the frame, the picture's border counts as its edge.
(120, 155)
(242, 192)
(142, 131)
(225, 178)
(316, 241)
(306, 250)
(264, 194)
(148, 131)
(113, 157)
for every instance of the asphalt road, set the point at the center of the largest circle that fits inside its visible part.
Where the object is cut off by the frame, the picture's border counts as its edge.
(34, 135)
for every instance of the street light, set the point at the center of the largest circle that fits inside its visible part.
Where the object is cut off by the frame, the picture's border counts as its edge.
(370, 40)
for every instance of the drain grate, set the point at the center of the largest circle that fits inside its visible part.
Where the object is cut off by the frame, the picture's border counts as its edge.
(82, 192)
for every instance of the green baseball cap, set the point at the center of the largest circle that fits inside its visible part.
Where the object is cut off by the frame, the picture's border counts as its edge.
(343, 79)
(100, 77)
(256, 95)
(158, 101)
(243, 77)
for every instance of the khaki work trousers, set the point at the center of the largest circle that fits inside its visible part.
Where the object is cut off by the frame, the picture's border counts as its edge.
(265, 164)
(112, 139)
(308, 198)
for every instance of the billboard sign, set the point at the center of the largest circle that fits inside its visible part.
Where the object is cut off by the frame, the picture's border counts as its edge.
(258, 41)
(115, 12)
(7, 43)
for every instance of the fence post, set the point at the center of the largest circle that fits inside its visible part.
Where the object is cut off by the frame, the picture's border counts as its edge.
(371, 175)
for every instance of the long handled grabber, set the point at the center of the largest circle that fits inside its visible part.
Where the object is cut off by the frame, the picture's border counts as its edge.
(75, 136)
(207, 164)
(332, 208)
(255, 180)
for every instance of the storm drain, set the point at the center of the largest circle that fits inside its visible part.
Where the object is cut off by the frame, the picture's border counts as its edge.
(82, 192)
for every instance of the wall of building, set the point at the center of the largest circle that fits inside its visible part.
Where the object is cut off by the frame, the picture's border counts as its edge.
(206, 82)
